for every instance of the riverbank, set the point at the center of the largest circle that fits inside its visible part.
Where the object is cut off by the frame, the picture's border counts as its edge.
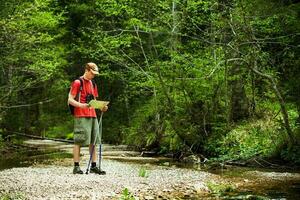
(56, 181)
(131, 176)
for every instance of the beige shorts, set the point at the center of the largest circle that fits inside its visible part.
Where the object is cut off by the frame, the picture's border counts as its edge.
(86, 130)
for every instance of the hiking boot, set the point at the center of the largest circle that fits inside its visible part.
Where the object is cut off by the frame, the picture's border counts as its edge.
(96, 170)
(77, 170)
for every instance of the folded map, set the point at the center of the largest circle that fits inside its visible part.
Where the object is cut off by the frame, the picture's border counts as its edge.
(98, 104)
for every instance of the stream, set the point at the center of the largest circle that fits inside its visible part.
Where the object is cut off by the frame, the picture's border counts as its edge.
(261, 183)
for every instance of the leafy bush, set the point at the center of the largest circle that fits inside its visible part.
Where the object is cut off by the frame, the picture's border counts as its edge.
(292, 154)
(257, 138)
(60, 131)
(143, 131)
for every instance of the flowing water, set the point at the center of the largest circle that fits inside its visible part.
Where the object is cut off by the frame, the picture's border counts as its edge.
(259, 183)
(26, 157)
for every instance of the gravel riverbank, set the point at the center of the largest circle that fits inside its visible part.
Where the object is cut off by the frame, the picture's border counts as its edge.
(56, 181)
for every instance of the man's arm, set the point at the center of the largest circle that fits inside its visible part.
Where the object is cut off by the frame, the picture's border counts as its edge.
(73, 102)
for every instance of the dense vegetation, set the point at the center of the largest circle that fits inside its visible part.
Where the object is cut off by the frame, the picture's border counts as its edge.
(213, 77)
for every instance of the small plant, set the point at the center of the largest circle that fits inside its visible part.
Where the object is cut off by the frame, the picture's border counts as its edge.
(70, 136)
(220, 189)
(16, 196)
(143, 172)
(126, 195)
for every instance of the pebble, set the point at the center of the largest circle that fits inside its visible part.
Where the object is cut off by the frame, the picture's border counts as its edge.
(149, 197)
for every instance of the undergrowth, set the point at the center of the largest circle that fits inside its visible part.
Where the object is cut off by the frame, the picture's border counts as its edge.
(264, 138)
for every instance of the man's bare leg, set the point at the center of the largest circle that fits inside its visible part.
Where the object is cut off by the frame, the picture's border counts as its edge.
(76, 153)
(76, 158)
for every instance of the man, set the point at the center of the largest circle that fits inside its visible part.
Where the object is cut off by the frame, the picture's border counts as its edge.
(86, 128)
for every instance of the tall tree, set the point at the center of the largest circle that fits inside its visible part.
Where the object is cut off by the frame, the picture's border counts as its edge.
(31, 57)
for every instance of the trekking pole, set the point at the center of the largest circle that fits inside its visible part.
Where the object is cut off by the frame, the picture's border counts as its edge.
(100, 147)
(94, 143)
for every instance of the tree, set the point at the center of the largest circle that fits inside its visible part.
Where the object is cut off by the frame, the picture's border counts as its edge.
(32, 59)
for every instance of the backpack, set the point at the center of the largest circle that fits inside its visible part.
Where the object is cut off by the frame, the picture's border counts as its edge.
(71, 107)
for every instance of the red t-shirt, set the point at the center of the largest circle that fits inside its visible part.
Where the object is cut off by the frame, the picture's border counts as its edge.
(87, 88)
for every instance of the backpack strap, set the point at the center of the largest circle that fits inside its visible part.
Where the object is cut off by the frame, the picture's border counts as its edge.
(94, 84)
(81, 84)
(80, 89)
(77, 97)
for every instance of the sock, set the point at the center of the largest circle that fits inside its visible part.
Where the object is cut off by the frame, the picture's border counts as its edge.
(76, 164)
(93, 164)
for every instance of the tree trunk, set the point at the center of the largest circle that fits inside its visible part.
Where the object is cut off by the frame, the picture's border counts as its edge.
(282, 107)
(238, 99)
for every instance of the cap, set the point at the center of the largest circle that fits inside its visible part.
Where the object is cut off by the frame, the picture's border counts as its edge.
(93, 67)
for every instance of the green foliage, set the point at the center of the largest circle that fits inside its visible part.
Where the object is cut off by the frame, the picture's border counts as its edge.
(179, 74)
(59, 132)
(220, 189)
(1, 142)
(14, 196)
(143, 172)
(70, 136)
(127, 195)
(142, 131)
(171, 142)
(291, 155)
(247, 140)
(33, 57)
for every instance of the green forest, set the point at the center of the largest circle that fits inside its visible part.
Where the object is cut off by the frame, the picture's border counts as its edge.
(216, 78)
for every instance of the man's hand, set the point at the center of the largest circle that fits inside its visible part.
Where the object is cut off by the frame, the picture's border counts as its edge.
(104, 109)
(84, 105)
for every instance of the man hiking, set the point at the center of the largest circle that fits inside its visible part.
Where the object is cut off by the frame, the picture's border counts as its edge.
(86, 127)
